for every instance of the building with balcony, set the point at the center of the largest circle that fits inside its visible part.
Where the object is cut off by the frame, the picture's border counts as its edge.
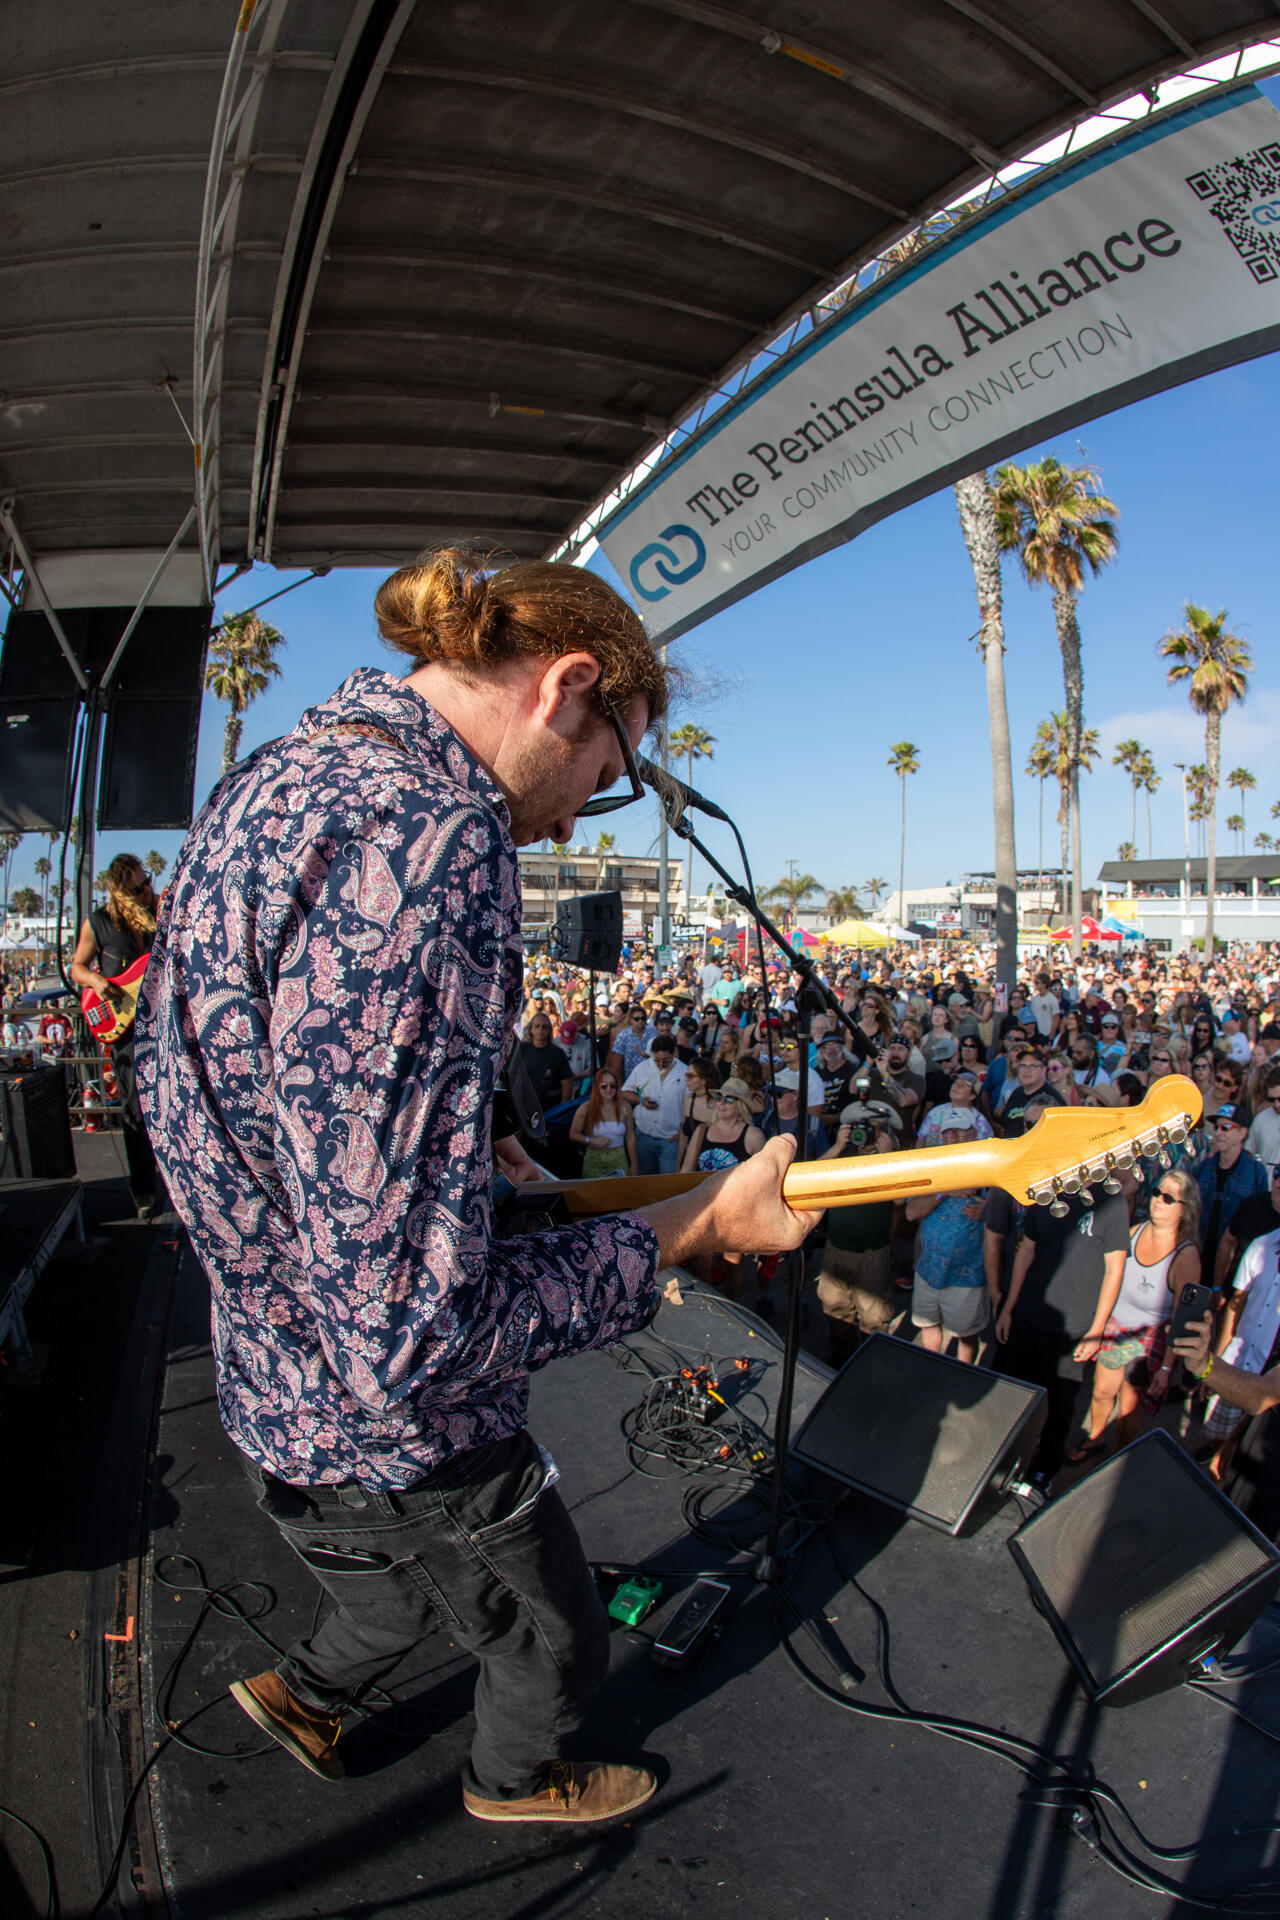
(1165, 899)
(548, 879)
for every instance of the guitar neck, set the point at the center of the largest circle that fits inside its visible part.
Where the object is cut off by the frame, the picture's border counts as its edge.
(892, 1176)
(815, 1184)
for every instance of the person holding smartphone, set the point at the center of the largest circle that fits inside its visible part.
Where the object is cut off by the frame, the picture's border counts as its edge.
(1132, 1358)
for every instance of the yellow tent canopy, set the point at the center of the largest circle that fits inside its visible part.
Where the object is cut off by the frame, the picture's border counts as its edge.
(857, 933)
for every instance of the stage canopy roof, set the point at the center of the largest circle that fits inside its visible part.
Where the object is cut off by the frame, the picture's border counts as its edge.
(461, 265)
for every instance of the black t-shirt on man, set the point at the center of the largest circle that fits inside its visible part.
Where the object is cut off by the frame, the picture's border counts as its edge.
(1060, 1292)
(548, 1069)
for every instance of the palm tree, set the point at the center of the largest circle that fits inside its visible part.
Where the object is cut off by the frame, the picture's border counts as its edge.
(875, 887)
(1040, 764)
(793, 888)
(241, 665)
(1129, 755)
(43, 868)
(1216, 664)
(25, 903)
(1275, 809)
(1234, 823)
(9, 844)
(1053, 741)
(695, 743)
(1058, 523)
(975, 504)
(155, 864)
(604, 847)
(1243, 781)
(843, 904)
(100, 883)
(1148, 780)
(1198, 814)
(1263, 842)
(1126, 851)
(902, 759)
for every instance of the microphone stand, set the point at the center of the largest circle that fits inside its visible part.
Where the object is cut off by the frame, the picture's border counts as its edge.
(814, 995)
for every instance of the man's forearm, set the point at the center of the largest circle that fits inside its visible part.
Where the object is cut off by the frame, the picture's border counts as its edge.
(1254, 1392)
(687, 1224)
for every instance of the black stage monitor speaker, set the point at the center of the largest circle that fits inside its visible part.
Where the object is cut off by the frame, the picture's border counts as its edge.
(1143, 1568)
(937, 1439)
(35, 1126)
(589, 931)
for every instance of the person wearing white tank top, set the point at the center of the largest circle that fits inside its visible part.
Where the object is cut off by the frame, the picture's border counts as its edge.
(1163, 1257)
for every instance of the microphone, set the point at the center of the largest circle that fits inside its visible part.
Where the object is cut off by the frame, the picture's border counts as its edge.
(674, 796)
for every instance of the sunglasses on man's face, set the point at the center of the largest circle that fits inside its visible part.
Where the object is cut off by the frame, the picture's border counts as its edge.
(610, 802)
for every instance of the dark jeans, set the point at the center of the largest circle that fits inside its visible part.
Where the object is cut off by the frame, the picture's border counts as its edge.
(137, 1147)
(481, 1549)
(657, 1156)
(1042, 1357)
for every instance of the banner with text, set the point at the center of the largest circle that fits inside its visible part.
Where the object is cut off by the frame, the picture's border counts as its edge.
(1149, 262)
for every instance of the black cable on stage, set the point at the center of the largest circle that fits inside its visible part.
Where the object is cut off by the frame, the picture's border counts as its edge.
(1088, 1802)
(1211, 1691)
(52, 1904)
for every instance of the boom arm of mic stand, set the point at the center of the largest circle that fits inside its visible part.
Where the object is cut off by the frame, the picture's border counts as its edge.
(745, 898)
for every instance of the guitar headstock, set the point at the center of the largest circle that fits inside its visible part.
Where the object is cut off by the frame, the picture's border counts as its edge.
(1071, 1149)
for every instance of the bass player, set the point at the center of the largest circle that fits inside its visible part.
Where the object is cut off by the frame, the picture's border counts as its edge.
(111, 939)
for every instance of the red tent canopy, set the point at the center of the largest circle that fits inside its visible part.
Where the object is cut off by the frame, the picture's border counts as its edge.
(1089, 930)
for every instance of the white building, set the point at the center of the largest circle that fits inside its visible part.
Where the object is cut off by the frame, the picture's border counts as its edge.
(1165, 899)
(548, 879)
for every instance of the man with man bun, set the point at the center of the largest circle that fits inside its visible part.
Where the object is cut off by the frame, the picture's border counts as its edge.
(335, 981)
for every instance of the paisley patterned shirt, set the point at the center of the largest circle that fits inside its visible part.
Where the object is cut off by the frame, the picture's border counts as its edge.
(336, 972)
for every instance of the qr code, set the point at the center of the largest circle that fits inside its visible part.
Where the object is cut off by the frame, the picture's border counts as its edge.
(1243, 195)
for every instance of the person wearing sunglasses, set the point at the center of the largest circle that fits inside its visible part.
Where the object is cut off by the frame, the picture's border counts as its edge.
(1227, 1175)
(331, 998)
(1130, 1360)
(1263, 1140)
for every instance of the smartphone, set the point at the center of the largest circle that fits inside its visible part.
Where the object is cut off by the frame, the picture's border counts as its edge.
(1194, 1302)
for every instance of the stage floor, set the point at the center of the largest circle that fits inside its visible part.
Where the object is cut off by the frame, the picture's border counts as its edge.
(773, 1803)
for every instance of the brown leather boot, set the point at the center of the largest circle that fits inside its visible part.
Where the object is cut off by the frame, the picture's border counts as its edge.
(308, 1734)
(577, 1791)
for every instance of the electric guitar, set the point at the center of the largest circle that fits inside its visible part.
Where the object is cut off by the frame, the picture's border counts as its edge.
(110, 1020)
(1068, 1151)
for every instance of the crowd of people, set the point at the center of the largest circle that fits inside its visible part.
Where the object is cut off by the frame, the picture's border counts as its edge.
(697, 1066)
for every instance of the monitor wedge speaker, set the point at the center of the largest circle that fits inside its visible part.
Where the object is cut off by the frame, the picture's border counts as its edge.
(935, 1438)
(1144, 1567)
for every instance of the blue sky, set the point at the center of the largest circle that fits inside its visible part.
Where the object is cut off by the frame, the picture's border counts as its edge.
(817, 675)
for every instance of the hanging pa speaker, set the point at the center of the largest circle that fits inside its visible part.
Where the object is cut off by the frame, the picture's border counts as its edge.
(935, 1438)
(589, 931)
(1143, 1568)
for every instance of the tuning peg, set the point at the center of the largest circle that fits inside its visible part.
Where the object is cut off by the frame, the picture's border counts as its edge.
(1058, 1206)
(1164, 1157)
(1177, 1132)
(1086, 1197)
(1111, 1184)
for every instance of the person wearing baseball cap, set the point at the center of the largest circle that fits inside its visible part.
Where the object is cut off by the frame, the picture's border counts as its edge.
(1226, 1176)
(855, 1285)
(949, 1297)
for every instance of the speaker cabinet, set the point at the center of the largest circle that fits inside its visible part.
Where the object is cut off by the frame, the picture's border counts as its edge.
(35, 1126)
(589, 931)
(935, 1438)
(1144, 1567)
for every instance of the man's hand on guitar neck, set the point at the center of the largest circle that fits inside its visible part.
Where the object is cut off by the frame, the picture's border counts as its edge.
(741, 1211)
